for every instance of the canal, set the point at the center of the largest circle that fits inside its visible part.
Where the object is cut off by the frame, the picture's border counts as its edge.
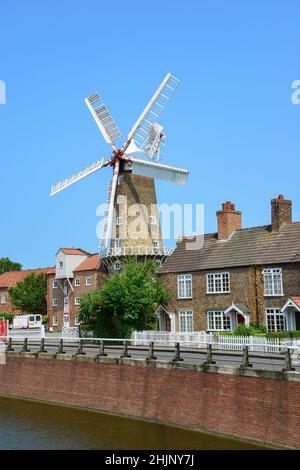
(34, 425)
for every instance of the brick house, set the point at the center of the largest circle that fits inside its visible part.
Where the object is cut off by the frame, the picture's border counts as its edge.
(10, 279)
(76, 273)
(240, 275)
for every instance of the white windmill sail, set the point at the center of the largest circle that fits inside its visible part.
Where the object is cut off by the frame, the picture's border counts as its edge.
(56, 188)
(103, 235)
(103, 119)
(158, 170)
(110, 215)
(152, 111)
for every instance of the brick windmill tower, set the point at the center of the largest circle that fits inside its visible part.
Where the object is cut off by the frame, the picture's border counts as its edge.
(131, 224)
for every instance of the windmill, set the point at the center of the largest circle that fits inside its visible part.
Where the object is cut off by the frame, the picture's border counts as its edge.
(136, 163)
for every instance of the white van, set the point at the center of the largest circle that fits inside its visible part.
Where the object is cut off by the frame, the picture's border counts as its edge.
(27, 321)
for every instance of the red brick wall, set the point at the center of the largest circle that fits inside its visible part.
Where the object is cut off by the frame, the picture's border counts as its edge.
(266, 410)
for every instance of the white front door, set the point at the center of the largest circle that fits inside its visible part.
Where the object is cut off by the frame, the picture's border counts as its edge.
(67, 320)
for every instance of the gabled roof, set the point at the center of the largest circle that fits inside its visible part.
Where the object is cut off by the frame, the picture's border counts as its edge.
(91, 263)
(292, 302)
(73, 251)
(11, 278)
(257, 245)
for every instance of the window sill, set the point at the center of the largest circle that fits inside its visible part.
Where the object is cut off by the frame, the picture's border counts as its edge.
(216, 293)
(184, 298)
(274, 295)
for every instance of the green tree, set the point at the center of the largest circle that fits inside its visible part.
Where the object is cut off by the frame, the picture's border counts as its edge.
(29, 295)
(7, 265)
(126, 302)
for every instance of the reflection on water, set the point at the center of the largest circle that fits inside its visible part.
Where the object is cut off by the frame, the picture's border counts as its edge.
(32, 425)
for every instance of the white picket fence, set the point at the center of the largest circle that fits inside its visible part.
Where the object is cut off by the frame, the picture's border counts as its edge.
(200, 339)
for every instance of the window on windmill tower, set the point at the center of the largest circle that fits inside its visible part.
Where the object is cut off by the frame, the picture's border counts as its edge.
(120, 199)
(152, 220)
(117, 265)
(155, 243)
(119, 220)
(121, 179)
(118, 243)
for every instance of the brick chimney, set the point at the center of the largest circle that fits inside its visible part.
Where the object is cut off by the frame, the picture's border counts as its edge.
(229, 220)
(281, 212)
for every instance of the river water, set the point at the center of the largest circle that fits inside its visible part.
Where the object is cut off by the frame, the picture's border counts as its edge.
(34, 425)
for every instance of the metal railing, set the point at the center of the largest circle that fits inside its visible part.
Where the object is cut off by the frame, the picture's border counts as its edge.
(125, 348)
(136, 251)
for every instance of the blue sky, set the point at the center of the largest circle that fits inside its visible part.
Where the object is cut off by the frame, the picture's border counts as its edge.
(231, 121)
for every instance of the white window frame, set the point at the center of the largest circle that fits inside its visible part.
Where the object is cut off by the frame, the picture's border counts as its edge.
(184, 291)
(213, 279)
(117, 265)
(77, 301)
(76, 321)
(77, 282)
(68, 316)
(186, 321)
(272, 273)
(55, 285)
(215, 321)
(118, 243)
(119, 220)
(120, 199)
(4, 298)
(60, 264)
(275, 313)
(121, 179)
(88, 281)
(66, 300)
(155, 243)
(55, 320)
(152, 219)
(55, 302)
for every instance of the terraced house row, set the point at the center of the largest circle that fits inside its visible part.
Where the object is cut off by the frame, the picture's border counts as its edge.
(239, 276)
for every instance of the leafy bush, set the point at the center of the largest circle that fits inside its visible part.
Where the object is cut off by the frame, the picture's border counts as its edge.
(283, 334)
(6, 316)
(45, 319)
(251, 330)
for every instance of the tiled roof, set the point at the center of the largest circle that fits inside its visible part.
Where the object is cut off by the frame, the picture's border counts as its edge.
(296, 300)
(91, 263)
(10, 279)
(257, 245)
(51, 271)
(74, 251)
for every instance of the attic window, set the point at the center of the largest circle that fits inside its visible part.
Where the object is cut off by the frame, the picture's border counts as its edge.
(61, 264)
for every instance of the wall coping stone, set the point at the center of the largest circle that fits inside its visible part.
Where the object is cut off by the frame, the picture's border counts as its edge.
(209, 368)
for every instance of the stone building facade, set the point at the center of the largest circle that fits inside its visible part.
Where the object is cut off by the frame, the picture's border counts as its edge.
(239, 275)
